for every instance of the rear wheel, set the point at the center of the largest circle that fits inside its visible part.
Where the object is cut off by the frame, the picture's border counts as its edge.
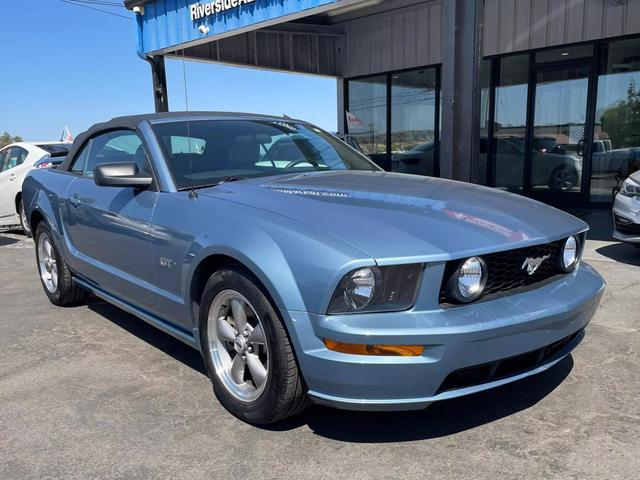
(563, 179)
(55, 276)
(24, 222)
(247, 351)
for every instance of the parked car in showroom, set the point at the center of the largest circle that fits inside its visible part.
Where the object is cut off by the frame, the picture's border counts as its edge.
(320, 278)
(16, 160)
(626, 211)
(418, 161)
(552, 167)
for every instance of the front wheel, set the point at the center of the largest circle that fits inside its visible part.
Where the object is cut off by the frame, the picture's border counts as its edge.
(247, 351)
(55, 276)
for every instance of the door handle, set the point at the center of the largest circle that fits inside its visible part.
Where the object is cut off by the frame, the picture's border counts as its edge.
(75, 201)
(12, 177)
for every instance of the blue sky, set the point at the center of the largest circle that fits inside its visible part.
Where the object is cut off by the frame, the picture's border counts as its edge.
(67, 65)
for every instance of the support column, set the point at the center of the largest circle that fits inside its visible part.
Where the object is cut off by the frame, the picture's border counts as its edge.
(461, 57)
(160, 96)
(340, 97)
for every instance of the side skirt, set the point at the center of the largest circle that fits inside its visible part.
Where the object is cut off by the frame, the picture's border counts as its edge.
(159, 323)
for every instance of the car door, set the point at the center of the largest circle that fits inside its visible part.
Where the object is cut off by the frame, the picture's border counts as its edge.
(10, 158)
(108, 227)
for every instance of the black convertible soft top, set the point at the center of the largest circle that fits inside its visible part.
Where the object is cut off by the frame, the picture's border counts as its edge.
(131, 122)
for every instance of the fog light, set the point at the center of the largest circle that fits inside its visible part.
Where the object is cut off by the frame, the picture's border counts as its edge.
(622, 220)
(570, 254)
(388, 350)
(468, 281)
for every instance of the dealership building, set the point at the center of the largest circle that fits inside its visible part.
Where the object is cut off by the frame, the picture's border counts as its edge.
(538, 97)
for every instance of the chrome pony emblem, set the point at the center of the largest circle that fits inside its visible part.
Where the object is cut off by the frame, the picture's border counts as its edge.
(532, 264)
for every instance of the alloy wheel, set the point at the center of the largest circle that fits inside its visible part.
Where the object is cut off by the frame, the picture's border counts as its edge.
(23, 217)
(564, 180)
(237, 345)
(47, 263)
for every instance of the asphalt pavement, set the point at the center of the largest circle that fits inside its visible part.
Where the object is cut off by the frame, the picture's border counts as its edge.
(92, 392)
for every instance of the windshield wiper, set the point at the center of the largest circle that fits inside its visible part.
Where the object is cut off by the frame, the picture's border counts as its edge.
(230, 179)
(215, 184)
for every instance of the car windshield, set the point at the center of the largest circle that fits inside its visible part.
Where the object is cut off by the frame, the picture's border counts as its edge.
(206, 152)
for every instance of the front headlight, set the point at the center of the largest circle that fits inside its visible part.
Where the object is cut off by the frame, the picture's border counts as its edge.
(377, 289)
(570, 254)
(630, 188)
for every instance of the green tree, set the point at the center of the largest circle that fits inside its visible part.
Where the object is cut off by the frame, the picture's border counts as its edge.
(622, 122)
(6, 139)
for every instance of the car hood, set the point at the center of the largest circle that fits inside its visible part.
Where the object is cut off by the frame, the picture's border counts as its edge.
(397, 217)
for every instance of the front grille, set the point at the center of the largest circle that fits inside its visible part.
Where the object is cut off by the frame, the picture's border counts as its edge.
(626, 227)
(505, 269)
(507, 367)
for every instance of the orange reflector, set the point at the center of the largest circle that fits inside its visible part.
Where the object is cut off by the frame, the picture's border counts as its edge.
(358, 349)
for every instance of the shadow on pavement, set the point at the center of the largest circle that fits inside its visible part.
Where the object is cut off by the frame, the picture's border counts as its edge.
(621, 252)
(599, 220)
(4, 240)
(440, 419)
(150, 334)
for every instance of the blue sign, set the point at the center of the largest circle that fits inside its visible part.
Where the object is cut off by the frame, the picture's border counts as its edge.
(171, 24)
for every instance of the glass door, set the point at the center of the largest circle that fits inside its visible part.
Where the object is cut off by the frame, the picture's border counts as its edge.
(557, 133)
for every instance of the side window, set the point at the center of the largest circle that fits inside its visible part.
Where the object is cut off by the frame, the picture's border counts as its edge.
(80, 161)
(3, 155)
(22, 155)
(14, 156)
(118, 146)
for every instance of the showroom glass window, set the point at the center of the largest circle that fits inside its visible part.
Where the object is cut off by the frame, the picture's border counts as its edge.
(616, 140)
(413, 122)
(509, 129)
(485, 98)
(367, 115)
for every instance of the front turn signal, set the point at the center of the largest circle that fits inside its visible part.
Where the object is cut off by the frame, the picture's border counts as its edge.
(389, 350)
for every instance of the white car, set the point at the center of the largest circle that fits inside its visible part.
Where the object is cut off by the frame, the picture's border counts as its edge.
(626, 211)
(16, 159)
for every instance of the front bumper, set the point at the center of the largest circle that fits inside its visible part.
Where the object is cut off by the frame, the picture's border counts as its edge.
(626, 219)
(454, 338)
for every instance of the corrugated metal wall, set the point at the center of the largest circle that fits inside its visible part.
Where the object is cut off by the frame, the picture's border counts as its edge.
(305, 52)
(513, 25)
(398, 39)
(402, 37)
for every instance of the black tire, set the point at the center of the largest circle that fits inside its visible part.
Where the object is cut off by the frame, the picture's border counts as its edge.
(66, 292)
(563, 179)
(24, 223)
(285, 393)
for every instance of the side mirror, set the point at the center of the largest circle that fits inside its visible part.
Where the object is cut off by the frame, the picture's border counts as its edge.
(121, 175)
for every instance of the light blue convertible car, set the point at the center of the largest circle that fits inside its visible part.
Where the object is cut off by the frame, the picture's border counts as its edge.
(303, 272)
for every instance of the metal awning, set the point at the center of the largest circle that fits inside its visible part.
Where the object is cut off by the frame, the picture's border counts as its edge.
(166, 26)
